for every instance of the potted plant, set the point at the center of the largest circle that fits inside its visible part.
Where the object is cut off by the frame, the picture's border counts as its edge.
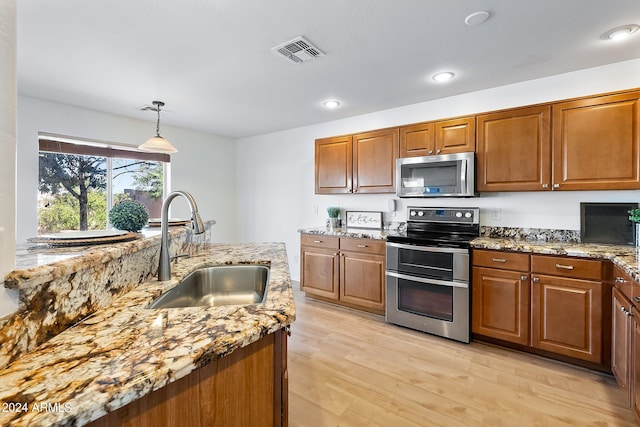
(634, 216)
(334, 216)
(129, 215)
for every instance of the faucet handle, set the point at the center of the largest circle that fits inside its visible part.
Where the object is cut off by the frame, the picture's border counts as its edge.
(175, 257)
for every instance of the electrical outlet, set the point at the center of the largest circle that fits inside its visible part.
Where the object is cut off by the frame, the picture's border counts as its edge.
(296, 259)
(496, 214)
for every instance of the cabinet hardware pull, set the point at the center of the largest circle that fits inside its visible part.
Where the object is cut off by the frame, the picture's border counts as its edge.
(317, 241)
(565, 267)
(362, 246)
(628, 313)
(556, 185)
(623, 309)
(545, 185)
(523, 277)
(498, 260)
(438, 151)
(536, 279)
(430, 151)
(636, 299)
(619, 279)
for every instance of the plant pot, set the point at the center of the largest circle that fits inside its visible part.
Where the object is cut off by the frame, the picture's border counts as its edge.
(333, 223)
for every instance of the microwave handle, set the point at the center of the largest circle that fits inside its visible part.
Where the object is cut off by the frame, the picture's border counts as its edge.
(463, 176)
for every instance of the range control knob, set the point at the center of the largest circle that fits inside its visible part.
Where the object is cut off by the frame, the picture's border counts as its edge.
(420, 213)
(458, 214)
(467, 215)
(412, 213)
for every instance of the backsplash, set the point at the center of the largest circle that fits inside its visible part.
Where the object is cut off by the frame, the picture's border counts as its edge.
(533, 234)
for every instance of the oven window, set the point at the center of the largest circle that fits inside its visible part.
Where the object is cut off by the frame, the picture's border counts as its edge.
(436, 265)
(426, 300)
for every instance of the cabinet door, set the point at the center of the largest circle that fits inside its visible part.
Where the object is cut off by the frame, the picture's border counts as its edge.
(514, 150)
(567, 317)
(374, 161)
(595, 143)
(417, 140)
(456, 135)
(334, 166)
(319, 272)
(362, 280)
(621, 342)
(635, 360)
(501, 301)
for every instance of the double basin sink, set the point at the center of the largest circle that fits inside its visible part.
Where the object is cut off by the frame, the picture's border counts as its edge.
(241, 284)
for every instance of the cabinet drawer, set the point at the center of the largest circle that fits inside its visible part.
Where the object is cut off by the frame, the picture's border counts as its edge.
(623, 282)
(369, 246)
(319, 241)
(566, 267)
(502, 260)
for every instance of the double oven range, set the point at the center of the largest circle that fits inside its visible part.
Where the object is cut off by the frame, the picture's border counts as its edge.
(427, 276)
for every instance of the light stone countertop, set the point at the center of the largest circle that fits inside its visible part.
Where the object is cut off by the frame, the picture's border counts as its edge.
(124, 351)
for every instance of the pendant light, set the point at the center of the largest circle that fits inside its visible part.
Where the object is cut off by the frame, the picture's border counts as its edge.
(157, 144)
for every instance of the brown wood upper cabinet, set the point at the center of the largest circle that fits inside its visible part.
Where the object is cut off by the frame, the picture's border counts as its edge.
(443, 137)
(596, 142)
(514, 150)
(361, 163)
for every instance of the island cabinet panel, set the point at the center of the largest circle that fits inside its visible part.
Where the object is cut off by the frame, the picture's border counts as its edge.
(245, 388)
(501, 301)
(334, 165)
(567, 317)
(353, 275)
(514, 150)
(635, 361)
(455, 135)
(374, 161)
(596, 143)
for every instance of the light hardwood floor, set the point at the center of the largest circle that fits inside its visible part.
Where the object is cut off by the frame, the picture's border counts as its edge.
(347, 368)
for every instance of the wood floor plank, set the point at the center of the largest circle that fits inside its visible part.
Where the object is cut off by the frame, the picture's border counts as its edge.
(348, 368)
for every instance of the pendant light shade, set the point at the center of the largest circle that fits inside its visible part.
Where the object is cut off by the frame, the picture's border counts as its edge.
(158, 144)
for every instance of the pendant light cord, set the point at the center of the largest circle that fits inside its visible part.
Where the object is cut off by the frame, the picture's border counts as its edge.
(158, 123)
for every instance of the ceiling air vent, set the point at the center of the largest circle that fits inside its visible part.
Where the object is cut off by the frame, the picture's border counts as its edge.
(298, 50)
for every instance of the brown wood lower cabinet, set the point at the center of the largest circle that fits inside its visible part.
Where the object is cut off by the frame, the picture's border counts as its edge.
(635, 361)
(346, 271)
(621, 350)
(557, 306)
(248, 387)
(567, 317)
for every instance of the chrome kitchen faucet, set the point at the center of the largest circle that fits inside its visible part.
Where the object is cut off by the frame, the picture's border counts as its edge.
(164, 265)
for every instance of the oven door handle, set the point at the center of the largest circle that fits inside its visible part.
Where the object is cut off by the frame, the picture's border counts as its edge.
(428, 281)
(428, 248)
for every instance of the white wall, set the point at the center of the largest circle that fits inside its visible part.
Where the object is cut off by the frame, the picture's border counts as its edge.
(8, 298)
(276, 171)
(204, 164)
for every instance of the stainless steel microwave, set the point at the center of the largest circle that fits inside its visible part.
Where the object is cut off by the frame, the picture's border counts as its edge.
(446, 175)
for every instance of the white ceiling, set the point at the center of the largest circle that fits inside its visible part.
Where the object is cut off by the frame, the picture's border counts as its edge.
(210, 60)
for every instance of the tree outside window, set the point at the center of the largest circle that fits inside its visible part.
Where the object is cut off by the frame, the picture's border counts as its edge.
(74, 187)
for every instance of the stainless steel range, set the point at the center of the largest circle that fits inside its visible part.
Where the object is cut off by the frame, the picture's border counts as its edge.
(428, 271)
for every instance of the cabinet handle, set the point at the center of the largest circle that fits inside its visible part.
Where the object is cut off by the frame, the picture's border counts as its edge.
(545, 185)
(623, 309)
(564, 267)
(430, 151)
(536, 279)
(636, 299)
(523, 277)
(438, 151)
(363, 246)
(628, 313)
(556, 185)
(317, 241)
(498, 260)
(336, 254)
(620, 279)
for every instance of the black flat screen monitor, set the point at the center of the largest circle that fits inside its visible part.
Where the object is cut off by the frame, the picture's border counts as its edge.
(607, 223)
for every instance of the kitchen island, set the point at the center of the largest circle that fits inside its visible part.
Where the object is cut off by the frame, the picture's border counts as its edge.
(125, 352)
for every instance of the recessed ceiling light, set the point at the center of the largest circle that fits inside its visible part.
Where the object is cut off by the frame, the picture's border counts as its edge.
(477, 18)
(621, 32)
(331, 104)
(443, 77)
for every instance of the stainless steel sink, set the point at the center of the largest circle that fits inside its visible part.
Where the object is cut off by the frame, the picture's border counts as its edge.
(215, 286)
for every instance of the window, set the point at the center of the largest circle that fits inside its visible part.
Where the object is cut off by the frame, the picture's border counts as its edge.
(79, 182)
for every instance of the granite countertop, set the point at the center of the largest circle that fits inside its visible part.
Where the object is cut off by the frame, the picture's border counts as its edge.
(360, 233)
(125, 351)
